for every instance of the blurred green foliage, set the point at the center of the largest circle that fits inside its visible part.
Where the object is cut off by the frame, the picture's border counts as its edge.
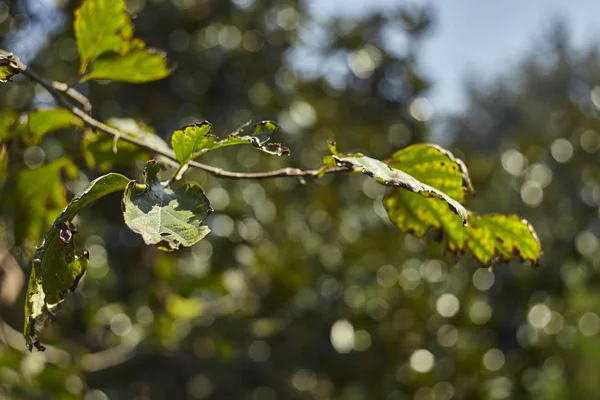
(305, 290)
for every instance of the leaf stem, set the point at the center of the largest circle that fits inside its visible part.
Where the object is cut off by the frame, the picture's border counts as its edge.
(63, 94)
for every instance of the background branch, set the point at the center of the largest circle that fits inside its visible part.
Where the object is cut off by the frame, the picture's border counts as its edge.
(62, 93)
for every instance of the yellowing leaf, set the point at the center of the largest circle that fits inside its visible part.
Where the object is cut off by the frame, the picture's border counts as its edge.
(42, 122)
(436, 167)
(101, 26)
(138, 66)
(496, 238)
(396, 177)
(167, 216)
(491, 238)
(191, 139)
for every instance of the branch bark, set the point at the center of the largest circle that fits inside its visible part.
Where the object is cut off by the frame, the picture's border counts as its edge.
(64, 95)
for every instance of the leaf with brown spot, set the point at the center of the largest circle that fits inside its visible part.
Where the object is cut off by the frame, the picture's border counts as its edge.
(491, 238)
(57, 267)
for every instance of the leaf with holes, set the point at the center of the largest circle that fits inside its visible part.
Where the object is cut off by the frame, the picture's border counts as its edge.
(491, 238)
(395, 177)
(166, 216)
(194, 140)
(9, 67)
(189, 141)
(57, 267)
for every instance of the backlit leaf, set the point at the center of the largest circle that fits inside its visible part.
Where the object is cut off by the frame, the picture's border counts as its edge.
(436, 167)
(57, 267)
(184, 308)
(395, 177)
(9, 125)
(101, 26)
(40, 195)
(264, 128)
(41, 122)
(190, 140)
(491, 238)
(3, 164)
(98, 148)
(167, 216)
(138, 66)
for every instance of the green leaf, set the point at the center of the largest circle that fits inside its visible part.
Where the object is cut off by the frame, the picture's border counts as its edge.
(3, 164)
(491, 238)
(262, 134)
(57, 267)
(98, 152)
(266, 128)
(11, 124)
(184, 308)
(395, 177)
(40, 195)
(98, 148)
(167, 216)
(190, 140)
(9, 67)
(42, 122)
(96, 189)
(139, 66)
(141, 131)
(101, 26)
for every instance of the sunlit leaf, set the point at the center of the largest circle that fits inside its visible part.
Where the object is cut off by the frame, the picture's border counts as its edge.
(40, 195)
(41, 122)
(9, 126)
(396, 177)
(8, 67)
(185, 308)
(436, 167)
(98, 152)
(3, 164)
(99, 149)
(140, 131)
(491, 238)
(57, 267)
(188, 141)
(101, 26)
(138, 66)
(167, 216)
(265, 128)
(192, 141)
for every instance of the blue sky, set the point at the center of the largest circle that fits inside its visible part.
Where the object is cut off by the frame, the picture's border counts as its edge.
(481, 38)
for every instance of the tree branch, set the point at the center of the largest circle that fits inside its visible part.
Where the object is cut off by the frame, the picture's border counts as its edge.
(74, 95)
(62, 93)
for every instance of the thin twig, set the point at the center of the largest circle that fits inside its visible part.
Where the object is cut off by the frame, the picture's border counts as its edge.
(74, 95)
(60, 90)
